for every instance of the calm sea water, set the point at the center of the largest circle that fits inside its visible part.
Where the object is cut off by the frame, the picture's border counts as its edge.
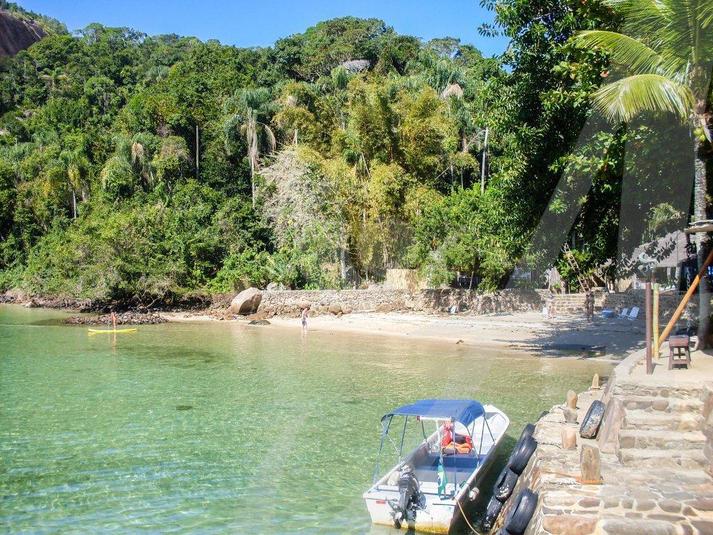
(222, 427)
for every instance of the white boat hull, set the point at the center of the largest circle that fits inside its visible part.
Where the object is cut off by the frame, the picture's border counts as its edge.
(438, 515)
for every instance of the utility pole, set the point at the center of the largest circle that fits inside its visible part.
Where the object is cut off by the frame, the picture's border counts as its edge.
(198, 162)
(649, 329)
(482, 165)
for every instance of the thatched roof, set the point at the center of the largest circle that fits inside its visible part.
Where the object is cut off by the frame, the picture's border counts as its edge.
(665, 252)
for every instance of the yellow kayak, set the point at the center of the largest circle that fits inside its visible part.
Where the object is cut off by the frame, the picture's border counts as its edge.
(112, 331)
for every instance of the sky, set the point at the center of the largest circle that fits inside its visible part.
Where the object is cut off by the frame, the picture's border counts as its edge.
(261, 22)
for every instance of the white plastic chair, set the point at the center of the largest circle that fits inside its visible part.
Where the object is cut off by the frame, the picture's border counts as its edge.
(624, 313)
(633, 314)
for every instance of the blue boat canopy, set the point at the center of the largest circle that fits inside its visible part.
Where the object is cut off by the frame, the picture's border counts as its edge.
(461, 410)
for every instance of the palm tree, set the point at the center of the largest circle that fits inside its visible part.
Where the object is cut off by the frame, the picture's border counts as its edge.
(75, 165)
(249, 112)
(667, 47)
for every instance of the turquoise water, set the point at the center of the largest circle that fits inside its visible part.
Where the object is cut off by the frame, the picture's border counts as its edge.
(216, 427)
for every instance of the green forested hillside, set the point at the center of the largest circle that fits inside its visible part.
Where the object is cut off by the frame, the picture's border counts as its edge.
(154, 168)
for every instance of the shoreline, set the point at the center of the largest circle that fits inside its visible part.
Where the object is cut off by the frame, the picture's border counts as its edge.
(565, 336)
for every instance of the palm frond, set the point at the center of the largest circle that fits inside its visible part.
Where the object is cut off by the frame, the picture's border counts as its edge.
(638, 15)
(706, 11)
(271, 140)
(623, 49)
(624, 99)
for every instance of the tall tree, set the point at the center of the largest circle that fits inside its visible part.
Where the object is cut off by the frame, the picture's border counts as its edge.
(667, 47)
(251, 113)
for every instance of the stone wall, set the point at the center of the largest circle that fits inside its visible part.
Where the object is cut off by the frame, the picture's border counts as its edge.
(574, 303)
(656, 447)
(380, 299)
(291, 302)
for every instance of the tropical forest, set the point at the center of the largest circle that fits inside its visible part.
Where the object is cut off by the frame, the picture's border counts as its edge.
(163, 169)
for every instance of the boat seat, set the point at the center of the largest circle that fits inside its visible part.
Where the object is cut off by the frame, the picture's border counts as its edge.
(463, 464)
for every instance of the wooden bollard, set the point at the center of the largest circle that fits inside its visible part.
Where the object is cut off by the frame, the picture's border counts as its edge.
(595, 382)
(572, 399)
(591, 465)
(569, 438)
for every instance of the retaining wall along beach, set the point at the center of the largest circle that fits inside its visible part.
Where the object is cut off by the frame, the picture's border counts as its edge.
(291, 302)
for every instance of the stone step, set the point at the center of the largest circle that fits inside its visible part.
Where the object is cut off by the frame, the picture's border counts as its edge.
(660, 404)
(624, 389)
(675, 421)
(661, 439)
(655, 458)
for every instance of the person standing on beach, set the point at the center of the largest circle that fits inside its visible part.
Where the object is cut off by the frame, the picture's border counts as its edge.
(305, 314)
(589, 306)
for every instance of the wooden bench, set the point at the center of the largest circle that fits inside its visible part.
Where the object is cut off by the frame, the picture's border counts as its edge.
(679, 353)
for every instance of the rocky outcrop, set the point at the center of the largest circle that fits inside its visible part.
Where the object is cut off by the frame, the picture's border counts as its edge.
(356, 65)
(17, 34)
(124, 318)
(246, 302)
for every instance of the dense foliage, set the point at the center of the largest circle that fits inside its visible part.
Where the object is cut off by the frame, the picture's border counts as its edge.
(155, 168)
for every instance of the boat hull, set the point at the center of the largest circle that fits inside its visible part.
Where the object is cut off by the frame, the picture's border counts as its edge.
(440, 517)
(437, 519)
(436, 515)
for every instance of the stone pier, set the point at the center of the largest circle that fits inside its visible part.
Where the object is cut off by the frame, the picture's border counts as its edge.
(656, 446)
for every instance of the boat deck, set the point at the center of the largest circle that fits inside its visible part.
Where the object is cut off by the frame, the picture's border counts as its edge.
(462, 464)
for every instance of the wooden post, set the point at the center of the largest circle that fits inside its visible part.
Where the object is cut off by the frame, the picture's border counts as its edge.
(685, 300)
(656, 321)
(649, 333)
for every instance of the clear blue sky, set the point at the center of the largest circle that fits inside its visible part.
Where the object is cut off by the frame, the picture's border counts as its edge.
(261, 22)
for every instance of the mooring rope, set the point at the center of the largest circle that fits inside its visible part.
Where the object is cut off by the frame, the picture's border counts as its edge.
(465, 517)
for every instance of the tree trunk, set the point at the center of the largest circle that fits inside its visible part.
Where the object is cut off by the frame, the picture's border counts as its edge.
(74, 205)
(699, 213)
(343, 264)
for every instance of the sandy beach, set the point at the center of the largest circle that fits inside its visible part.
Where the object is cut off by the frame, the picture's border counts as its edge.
(563, 336)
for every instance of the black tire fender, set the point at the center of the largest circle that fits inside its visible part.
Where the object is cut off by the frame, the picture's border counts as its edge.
(521, 456)
(522, 510)
(491, 514)
(527, 431)
(505, 484)
(593, 419)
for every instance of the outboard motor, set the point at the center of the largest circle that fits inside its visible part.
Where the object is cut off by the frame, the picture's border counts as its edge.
(409, 496)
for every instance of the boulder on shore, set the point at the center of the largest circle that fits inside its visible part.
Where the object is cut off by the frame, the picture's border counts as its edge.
(246, 302)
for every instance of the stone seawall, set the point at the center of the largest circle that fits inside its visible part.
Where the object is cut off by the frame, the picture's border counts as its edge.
(656, 450)
(291, 302)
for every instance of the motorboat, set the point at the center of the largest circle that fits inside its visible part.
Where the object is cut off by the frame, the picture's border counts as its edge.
(430, 486)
